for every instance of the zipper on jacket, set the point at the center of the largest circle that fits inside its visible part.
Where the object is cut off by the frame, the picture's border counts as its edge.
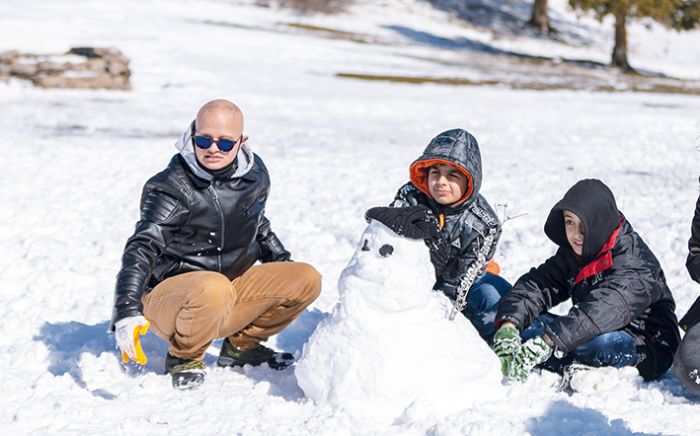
(217, 205)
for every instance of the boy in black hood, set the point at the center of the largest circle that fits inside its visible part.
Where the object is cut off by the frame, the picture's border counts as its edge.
(445, 183)
(623, 311)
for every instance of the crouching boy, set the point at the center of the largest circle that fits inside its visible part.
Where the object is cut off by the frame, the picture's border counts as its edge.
(445, 180)
(623, 311)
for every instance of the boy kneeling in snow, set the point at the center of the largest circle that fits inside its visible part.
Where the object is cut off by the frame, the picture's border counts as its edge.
(445, 182)
(623, 312)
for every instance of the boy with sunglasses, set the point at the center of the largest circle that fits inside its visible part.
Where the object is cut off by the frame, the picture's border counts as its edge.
(188, 271)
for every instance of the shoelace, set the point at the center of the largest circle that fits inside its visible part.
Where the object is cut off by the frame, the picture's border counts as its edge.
(187, 366)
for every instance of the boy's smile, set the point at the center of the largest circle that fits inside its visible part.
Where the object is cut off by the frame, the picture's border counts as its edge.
(446, 184)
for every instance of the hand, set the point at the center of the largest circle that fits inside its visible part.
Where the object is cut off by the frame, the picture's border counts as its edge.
(414, 222)
(506, 343)
(532, 353)
(127, 332)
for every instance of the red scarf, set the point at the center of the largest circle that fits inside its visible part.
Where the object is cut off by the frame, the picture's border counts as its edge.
(603, 260)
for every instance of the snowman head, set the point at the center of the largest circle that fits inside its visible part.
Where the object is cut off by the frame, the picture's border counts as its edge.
(388, 269)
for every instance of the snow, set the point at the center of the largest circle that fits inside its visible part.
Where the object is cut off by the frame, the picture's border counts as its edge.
(74, 163)
(388, 347)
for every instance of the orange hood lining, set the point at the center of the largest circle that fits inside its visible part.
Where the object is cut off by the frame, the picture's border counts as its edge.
(418, 173)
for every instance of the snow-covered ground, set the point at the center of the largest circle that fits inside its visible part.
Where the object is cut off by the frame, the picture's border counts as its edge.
(74, 163)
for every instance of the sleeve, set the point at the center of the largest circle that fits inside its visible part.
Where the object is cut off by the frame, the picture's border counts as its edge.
(406, 196)
(693, 261)
(271, 248)
(535, 292)
(612, 305)
(161, 214)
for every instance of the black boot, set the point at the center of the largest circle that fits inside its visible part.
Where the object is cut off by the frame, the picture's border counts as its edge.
(232, 356)
(186, 373)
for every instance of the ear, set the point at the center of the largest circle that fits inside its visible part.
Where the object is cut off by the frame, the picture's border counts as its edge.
(244, 138)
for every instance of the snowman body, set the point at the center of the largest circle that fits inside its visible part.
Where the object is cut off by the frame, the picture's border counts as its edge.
(388, 343)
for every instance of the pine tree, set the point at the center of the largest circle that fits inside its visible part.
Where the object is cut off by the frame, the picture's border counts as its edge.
(681, 14)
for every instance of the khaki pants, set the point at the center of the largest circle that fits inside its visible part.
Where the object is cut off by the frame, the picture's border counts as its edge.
(190, 310)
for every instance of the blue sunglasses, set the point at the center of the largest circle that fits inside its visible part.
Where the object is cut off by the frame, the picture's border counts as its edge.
(204, 142)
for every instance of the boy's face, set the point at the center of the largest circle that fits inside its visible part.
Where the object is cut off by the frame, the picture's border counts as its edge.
(446, 183)
(219, 124)
(574, 231)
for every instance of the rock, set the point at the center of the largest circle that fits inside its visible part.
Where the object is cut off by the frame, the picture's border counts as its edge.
(79, 68)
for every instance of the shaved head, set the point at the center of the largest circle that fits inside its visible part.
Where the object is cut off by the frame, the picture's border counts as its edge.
(220, 108)
(219, 119)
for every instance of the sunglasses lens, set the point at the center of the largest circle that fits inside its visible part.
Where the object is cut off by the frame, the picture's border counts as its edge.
(202, 142)
(225, 144)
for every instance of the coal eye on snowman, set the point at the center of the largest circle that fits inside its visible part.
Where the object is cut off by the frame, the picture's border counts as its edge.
(386, 250)
(365, 246)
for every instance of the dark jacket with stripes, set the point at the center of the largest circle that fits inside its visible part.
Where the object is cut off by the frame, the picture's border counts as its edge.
(466, 224)
(191, 224)
(616, 284)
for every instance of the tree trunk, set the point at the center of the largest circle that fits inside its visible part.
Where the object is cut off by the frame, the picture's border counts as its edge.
(619, 54)
(540, 19)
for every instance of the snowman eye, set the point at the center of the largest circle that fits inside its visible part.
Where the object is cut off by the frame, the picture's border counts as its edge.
(365, 247)
(386, 250)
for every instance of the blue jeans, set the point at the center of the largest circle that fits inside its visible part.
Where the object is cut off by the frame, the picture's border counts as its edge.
(615, 348)
(609, 349)
(482, 303)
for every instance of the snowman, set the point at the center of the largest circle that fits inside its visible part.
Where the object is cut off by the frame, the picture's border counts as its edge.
(388, 344)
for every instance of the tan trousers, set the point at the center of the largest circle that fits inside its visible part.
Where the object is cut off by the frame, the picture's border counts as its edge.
(190, 310)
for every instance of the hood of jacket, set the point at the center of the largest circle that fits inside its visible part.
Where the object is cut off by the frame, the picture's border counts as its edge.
(457, 148)
(593, 202)
(185, 147)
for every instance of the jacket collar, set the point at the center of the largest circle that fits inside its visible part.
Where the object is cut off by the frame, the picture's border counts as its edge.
(603, 260)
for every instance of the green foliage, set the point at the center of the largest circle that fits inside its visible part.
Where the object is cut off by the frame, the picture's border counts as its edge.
(661, 11)
(688, 15)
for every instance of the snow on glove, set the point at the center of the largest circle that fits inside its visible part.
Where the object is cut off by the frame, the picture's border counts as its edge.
(127, 332)
(506, 343)
(415, 222)
(532, 353)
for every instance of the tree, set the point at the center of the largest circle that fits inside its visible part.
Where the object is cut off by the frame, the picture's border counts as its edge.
(680, 14)
(540, 18)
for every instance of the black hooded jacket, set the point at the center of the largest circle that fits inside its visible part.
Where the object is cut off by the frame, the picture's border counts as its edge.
(616, 284)
(192, 224)
(693, 265)
(468, 222)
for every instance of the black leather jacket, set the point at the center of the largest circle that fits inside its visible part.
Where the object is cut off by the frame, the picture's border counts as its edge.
(190, 224)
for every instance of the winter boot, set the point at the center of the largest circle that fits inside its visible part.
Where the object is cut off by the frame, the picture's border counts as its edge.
(186, 373)
(570, 372)
(232, 356)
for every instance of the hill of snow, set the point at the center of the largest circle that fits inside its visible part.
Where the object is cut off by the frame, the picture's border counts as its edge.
(74, 163)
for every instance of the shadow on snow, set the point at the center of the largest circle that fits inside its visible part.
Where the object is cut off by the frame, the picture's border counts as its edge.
(565, 418)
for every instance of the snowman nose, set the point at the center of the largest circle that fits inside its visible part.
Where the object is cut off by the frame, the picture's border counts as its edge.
(386, 250)
(365, 247)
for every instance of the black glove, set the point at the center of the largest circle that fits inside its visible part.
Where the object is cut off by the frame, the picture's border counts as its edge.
(415, 222)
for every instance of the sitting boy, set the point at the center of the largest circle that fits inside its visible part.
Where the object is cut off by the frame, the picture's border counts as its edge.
(623, 311)
(446, 179)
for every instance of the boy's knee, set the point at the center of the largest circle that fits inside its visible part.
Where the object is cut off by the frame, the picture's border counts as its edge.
(309, 279)
(214, 289)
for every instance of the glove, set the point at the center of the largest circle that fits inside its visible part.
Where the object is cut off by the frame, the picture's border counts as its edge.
(127, 332)
(415, 222)
(532, 353)
(506, 343)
